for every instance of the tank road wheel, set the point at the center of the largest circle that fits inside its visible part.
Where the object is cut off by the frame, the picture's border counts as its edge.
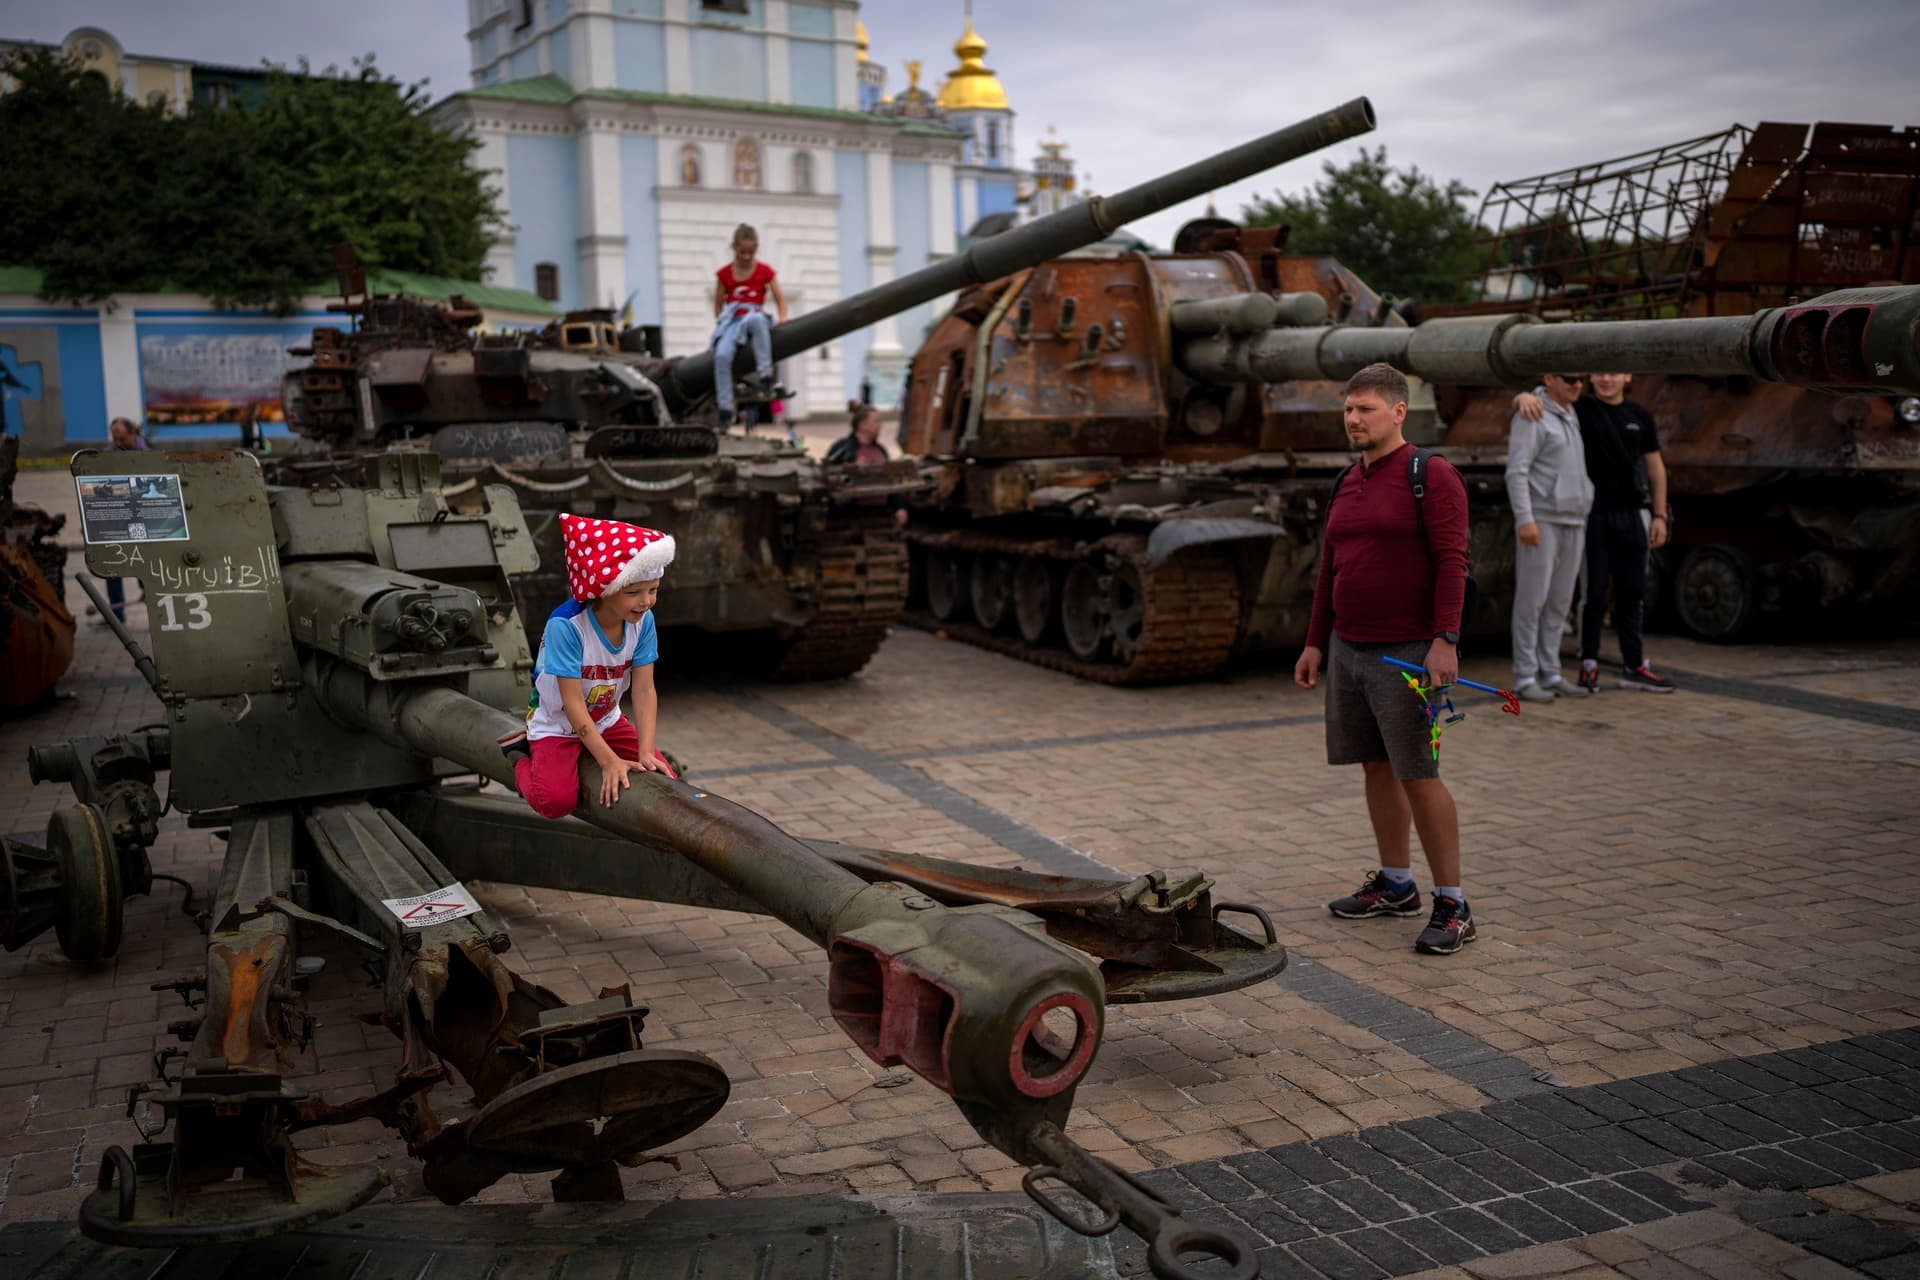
(1036, 599)
(990, 584)
(947, 585)
(1083, 612)
(1715, 592)
(88, 925)
(1126, 611)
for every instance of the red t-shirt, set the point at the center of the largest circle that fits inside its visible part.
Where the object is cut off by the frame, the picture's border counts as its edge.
(1381, 580)
(752, 290)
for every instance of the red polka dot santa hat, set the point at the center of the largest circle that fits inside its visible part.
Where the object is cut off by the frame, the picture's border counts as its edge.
(606, 555)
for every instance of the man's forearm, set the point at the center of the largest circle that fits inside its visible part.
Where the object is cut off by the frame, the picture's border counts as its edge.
(1657, 482)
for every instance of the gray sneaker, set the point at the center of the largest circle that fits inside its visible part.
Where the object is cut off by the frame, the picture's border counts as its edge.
(1448, 929)
(1533, 691)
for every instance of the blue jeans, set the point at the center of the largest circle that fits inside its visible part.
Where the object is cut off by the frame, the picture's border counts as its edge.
(757, 328)
(117, 597)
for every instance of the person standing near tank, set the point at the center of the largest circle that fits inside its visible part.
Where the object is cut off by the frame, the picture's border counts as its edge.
(122, 437)
(1548, 489)
(1622, 450)
(740, 294)
(1392, 583)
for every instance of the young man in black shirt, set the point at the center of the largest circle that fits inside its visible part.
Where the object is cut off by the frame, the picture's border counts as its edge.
(1621, 445)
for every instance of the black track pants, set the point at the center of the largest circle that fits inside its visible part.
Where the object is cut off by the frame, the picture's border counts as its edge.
(1616, 553)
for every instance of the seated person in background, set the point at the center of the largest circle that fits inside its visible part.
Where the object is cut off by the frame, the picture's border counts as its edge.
(739, 306)
(861, 447)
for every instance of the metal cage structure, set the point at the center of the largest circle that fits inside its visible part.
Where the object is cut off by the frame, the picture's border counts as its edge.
(1723, 224)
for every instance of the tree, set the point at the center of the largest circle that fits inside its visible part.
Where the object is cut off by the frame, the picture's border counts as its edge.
(241, 205)
(1398, 230)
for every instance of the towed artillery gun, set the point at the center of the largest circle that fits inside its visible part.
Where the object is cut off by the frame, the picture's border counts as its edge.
(582, 417)
(329, 660)
(1134, 454)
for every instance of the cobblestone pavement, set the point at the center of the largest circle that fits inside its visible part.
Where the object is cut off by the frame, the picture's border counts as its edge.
(1662, 884)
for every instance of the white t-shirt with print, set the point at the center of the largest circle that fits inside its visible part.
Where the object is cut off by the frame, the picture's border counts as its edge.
(573, 646)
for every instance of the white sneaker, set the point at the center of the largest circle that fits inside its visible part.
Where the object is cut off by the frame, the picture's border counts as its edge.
(1533, 691)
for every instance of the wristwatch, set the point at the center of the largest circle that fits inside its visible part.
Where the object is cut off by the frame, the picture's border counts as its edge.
(1451, 637)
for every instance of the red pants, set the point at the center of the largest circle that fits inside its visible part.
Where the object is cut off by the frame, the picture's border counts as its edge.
(550, 781)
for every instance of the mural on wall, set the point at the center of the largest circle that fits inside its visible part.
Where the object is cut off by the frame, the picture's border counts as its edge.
(30, 386)
(202, 377)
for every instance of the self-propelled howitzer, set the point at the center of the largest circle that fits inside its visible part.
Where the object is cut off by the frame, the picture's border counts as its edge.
(800, 560)
(326, 658)
(1136, 452)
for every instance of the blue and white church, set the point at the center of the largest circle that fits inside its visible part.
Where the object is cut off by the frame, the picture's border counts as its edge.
(629, 137)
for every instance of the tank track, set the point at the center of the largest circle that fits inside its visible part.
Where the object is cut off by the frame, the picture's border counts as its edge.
(861, 589)
(1190, 618)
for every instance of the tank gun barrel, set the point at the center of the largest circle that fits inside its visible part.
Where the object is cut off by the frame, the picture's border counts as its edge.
(1074, 227)
(1850, 340)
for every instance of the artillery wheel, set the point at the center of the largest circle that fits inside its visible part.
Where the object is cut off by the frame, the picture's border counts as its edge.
(990, 584)
(947, 585)
(1715, 592)
(1083, 612)
(1036, 599)
(601, 1109)
(88, 923)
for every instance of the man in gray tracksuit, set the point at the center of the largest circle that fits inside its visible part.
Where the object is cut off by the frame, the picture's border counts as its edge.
(1547, 487)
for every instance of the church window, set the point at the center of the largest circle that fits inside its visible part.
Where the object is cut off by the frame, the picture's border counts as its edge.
(546, 281)
(690, 166)
(803, 173)
(725, 6)
(157, 98)
(993, 142)
(526, 16)
(746, 164)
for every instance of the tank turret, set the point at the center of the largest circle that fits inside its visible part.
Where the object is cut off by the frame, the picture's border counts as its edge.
(1134, 453)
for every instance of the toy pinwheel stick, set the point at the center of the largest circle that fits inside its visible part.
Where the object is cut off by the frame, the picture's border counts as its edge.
(1506, 695)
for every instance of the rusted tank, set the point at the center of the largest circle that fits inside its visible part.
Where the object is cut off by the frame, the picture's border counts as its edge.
(36, 631)
(583, 418)
(1133, 454)
(1786, 500)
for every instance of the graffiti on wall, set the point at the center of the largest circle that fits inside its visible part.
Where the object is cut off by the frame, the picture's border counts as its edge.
(214, 377)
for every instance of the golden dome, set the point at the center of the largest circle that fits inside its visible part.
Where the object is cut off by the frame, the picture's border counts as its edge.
(860, 40)
(970, 86)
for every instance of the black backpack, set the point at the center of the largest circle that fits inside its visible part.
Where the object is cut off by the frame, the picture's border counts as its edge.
(1417, 481)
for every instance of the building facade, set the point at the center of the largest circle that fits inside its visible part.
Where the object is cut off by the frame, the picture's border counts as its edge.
(630, 137)
(173, 83)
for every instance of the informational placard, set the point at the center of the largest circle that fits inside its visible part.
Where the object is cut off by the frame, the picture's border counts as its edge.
(135, 508)
(429, 909)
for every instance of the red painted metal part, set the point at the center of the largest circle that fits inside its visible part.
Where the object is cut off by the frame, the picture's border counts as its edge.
(1034, 1045)
(895, 1013)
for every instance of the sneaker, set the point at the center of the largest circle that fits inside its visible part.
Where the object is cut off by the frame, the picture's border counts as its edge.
(767, 389)
(1532, 691)
(1448, 929)
(726, 419)
(1590, 679)
(1643, 679)
(1379, 896)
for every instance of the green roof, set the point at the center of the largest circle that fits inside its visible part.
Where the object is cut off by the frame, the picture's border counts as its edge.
(551, 90)
(489, 297)
(21, 279)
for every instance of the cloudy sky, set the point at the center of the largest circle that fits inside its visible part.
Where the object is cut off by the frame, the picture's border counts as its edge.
(1480, 90)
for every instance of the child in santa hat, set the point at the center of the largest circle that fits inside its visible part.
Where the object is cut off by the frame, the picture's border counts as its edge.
(595, 647)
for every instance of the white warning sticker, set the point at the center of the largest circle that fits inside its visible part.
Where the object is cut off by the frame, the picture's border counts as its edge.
(433, 908)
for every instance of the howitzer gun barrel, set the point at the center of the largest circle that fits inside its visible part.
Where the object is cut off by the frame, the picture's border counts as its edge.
(1851, 340)
(1074, 227)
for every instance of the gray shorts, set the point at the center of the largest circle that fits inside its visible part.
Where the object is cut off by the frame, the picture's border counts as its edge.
(1371, 714)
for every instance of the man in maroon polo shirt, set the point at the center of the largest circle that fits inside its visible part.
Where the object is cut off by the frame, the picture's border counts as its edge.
(1393, 574)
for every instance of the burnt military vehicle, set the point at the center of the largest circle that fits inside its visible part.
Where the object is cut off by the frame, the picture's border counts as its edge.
(357, 647)
(581, 417)
(1786, 500)
(1134, 454)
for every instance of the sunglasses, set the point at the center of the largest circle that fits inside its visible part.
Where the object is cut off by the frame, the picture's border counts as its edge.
(1571, 377)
